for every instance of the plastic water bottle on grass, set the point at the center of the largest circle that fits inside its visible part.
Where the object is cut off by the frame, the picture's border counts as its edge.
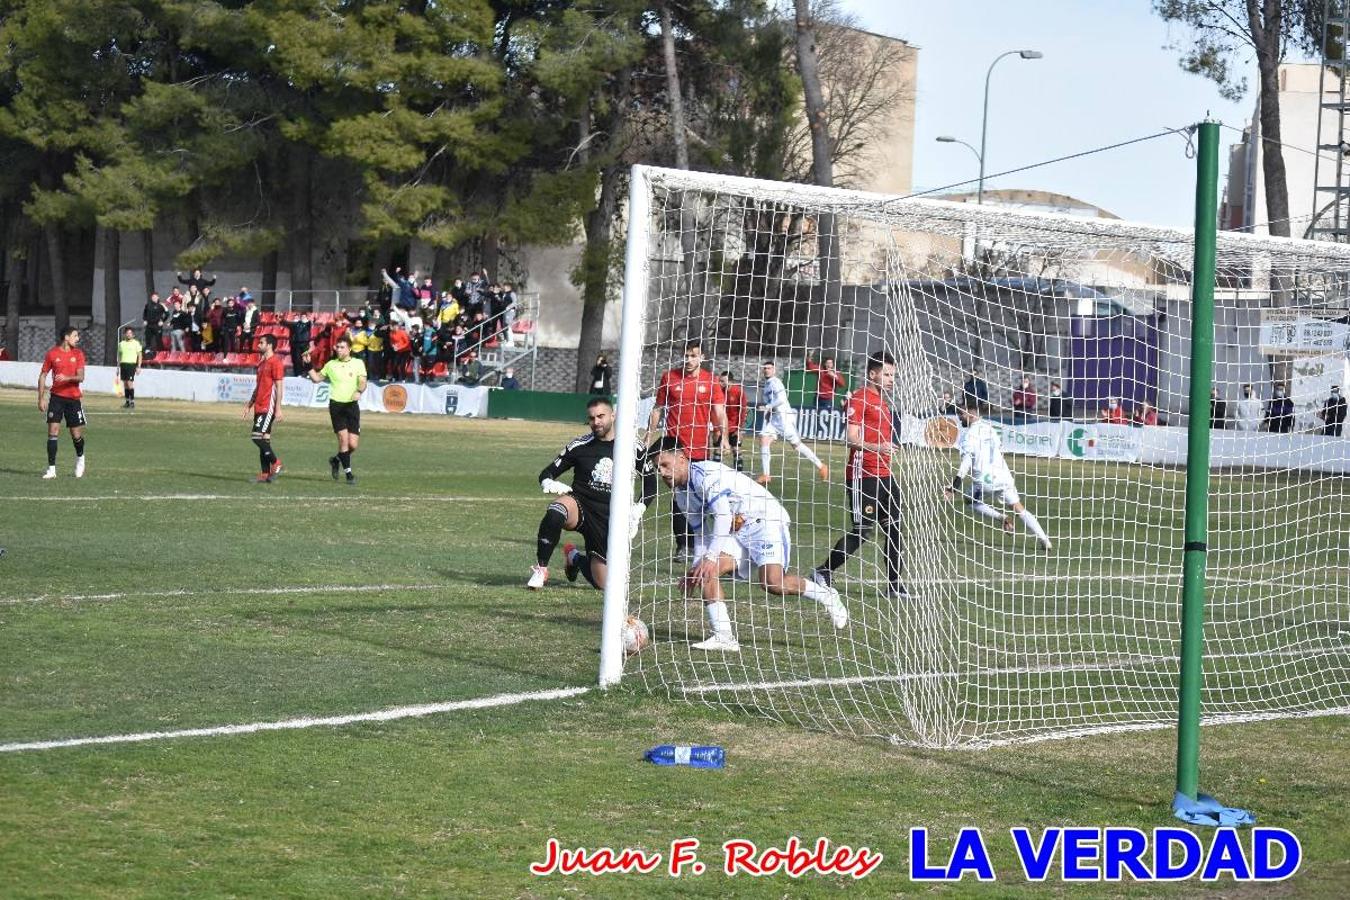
(683, 755)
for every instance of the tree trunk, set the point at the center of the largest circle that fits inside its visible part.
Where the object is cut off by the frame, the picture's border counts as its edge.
(677, 123)
(491, 256)
(112, 292)
(302, 241)
(148, 261)
(1265, 20)
(823, 321)
(14, 274)
(57, 268)
(595, 294)
(270, 262)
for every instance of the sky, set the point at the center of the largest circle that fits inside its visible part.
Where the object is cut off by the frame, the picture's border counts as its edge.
(1106, 77)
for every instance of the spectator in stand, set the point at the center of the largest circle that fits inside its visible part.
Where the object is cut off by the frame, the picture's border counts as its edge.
(509, 382)
(602, 377)
(459, 292)
(1059, 407)
(1249, 410)
(197, 309)
(360, 335)
(1280, 413)
(1113, 413)
(508, 304)
(152, 320)
(736, 409)
(830, 383)
(402, 293)
(180, 323)
(197, 282)
(426, 294)
(376, 342)
(977, 389)
(400, 346)
(471, 372)
(1218, 411)
(476, 291)
(1024, 401)
(1144, 414)
(175, 298)
(302, 335)
(948, 405)
(1333, 413)
(248, 322)
(229, 335)
(215, 322)
(431, 348)
(447, 310)
(244, 297)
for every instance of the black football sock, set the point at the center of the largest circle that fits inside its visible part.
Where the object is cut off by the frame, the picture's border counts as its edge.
(847, 546)
(550, 530)
(131, 393)
(895, 550)
(79, 446)
(345, 459)
(262, 453)
(52, 445)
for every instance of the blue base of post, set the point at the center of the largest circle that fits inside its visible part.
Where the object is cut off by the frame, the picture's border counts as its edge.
(1205, 810)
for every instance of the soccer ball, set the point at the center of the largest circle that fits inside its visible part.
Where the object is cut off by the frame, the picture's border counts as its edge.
(635, 635)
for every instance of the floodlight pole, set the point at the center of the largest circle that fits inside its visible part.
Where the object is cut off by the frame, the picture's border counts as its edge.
(1197, 461)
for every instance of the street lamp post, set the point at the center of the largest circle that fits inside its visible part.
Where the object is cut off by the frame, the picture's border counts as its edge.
(984, 122)
(948, 139)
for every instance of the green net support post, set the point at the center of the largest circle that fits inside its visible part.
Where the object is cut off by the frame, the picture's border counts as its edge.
(1197, 462)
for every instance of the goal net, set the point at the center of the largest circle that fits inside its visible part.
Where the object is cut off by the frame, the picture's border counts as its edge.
(1073, 333)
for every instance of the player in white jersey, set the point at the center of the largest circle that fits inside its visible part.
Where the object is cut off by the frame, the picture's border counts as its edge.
(737, 524)
(982, 458)
(780, 420)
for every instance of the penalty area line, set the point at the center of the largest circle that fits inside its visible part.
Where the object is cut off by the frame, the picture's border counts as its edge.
(382, 715)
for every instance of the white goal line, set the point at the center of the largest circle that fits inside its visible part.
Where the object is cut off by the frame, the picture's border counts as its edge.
(184, 592)
(346, 497)
(383, 715)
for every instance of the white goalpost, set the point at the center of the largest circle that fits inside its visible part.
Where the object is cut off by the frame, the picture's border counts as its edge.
(994, 639)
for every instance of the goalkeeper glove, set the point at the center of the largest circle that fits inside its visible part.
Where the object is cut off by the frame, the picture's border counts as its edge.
(554, 487)
(636, 520)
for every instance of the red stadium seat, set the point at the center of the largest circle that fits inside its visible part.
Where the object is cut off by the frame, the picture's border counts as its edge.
(523, 326)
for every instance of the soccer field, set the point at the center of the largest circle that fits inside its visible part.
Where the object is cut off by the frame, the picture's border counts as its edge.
(165, 592)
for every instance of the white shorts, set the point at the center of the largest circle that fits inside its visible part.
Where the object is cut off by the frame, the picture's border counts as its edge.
(781, 424)
(764, 543)
(1005, 492)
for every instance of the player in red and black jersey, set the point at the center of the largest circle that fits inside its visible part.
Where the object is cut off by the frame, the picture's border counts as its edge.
(695, 409)
(65, 362)
(873, 496)
(735, 397)
(264, 404)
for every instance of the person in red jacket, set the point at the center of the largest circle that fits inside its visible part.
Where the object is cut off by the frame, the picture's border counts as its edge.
(65, 362)
(1144, 414)
(1024, 401)
(735, 396)
(1113, 414)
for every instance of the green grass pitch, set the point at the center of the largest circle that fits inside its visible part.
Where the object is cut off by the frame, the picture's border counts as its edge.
(165, 592)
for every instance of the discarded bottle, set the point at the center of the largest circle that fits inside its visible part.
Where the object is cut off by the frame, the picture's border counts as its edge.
(680, 755)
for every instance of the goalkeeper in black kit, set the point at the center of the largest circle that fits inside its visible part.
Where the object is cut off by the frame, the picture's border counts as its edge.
(583, 506)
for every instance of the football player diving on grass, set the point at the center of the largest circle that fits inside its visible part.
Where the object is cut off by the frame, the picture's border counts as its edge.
(737, 523)
(982, 458)
(583, 506)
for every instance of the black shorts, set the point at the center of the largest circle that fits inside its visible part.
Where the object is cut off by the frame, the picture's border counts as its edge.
(59, 408)
(128, 371)
(345, 416)
(593, 526)
(262, 421)
(873, 500)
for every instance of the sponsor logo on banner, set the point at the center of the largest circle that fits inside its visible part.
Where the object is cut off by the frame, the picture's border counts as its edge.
(1036, 439)
(1285, 331)
(395, 398)
(451, 402)
(322, 393)
(820, 424)
(234, 388)
(941, 432)
(1118, 442)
